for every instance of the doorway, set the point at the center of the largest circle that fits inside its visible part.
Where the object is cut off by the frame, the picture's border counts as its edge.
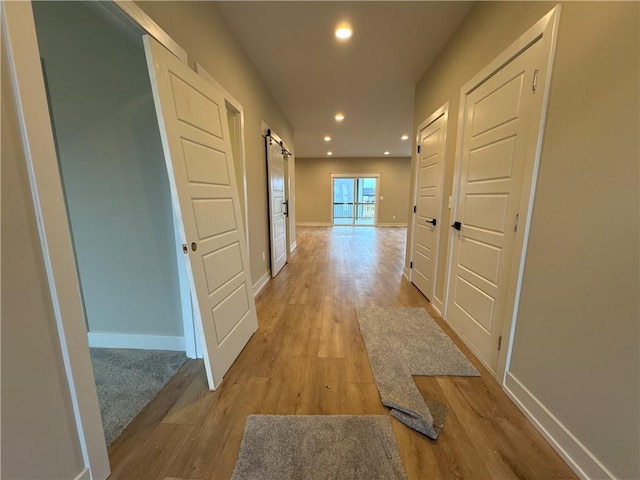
(278, 188)
(428, 214)
(235, 120)
(130, 194)
(118, 205)
(354, 200)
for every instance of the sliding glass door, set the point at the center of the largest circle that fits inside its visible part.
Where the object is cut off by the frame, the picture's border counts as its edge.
(354, 200)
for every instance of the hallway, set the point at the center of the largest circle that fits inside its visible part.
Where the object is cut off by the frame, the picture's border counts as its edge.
(308, 358)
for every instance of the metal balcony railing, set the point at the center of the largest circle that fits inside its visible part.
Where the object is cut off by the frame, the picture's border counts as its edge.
(343, 213)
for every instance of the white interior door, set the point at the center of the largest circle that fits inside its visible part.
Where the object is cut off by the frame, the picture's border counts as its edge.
(427, 222)
(496, 125)
(195, 140)
(277, 206)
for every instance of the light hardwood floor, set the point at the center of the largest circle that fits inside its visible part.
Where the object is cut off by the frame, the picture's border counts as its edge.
(308, 357)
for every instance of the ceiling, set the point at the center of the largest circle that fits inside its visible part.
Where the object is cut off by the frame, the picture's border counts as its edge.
(370, 78)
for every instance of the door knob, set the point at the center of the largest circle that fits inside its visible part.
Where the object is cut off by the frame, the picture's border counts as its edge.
(194, 246)
(433, 221)
(457, 225)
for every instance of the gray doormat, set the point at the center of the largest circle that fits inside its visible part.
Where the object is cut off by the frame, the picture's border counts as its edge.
(402, 342)
(127, 380)
(315, 447)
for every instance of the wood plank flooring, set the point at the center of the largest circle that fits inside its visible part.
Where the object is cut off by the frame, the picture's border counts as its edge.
(308, 357)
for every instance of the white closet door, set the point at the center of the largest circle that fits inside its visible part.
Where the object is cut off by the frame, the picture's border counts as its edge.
(497, 122)
(427, 222)
(197, 150)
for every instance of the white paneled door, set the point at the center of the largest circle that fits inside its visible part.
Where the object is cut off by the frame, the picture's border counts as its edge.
(427, 222)
(277, 205)
(496, 126)
(195, 139)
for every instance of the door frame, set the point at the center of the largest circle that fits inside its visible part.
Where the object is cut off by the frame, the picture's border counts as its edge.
(443, 111)
(356, 176)
(544, 30)
(20, 40)
(234, 106)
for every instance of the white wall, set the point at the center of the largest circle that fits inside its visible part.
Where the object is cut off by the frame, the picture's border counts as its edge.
(39, 436)
(113, 171)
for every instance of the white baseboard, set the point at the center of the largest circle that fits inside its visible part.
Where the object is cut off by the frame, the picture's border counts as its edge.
(437, 305)
(84, 474)
(143, 342)
(294, 245)
(313, 224)
(392, 225)
(261, 283)
(577, 456)
(405, 272)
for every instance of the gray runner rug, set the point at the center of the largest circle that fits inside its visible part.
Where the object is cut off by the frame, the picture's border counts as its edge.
(402, 342)
(318, 447)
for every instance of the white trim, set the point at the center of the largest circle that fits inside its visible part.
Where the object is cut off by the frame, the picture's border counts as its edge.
(261, 283)
(544, 31)
(137, 341)
(388, 225)
(313, 224)
(287, 161)
(134, 22)
(406, 273)
(442, 112)
(584, 463)
(84, 474)
(186, 305)
(48, 200)
(294, 245)
(550, 38)
(236, 107)
(437, 304)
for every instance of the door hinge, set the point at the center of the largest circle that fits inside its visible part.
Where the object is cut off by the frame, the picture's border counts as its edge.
(499, 342)
(534, 85)
(414, 209)
(515, 225)
(418, 148)
(410, 264)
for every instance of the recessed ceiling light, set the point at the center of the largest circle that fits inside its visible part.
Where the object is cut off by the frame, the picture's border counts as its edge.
(327, 138)
(405, 137)
(339, 117)
(344, 32)
(329, 153)
(386, 153)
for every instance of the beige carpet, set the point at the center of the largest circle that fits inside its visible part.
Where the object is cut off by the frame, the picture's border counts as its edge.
(402, 342)
(318, 447)
(127, 380)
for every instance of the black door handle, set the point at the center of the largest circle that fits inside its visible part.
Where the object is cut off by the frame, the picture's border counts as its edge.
(457, 225)
(433, 221)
